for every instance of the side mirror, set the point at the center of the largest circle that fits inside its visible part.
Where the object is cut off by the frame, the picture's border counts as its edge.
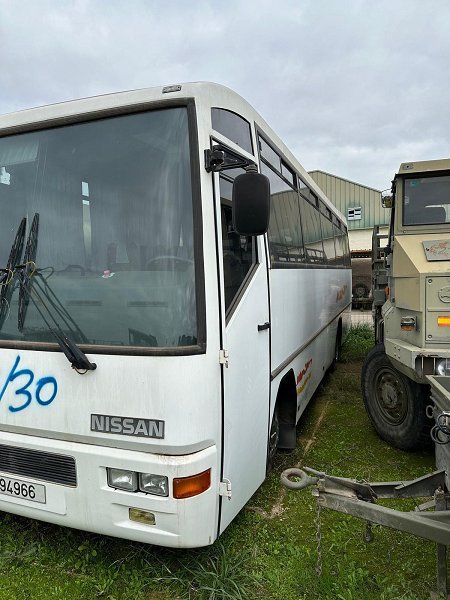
(251, 203)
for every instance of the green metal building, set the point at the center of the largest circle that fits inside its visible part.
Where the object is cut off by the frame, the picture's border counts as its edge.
(360, 204)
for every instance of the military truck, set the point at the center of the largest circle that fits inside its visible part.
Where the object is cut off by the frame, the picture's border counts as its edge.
(406, 376)
(411, 290)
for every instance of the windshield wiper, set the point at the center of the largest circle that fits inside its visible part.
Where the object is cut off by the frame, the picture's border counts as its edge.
(6, 274)
(25, 273)
(75, 355)
(29, 265)
(76, 334)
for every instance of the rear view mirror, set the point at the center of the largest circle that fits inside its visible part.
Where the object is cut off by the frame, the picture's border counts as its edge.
(251, 203)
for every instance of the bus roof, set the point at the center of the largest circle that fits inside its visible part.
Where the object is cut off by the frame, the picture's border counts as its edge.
(205, 94)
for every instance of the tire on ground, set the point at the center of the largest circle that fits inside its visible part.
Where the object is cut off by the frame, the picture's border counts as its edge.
(395, 404)
(274, 436)
(337, 349)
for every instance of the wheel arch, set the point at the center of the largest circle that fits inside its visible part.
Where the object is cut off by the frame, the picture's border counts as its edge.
(286, 405)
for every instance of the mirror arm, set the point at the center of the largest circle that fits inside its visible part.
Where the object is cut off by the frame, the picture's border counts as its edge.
(221, 158)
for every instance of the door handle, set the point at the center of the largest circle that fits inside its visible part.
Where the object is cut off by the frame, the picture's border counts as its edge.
(264, 326)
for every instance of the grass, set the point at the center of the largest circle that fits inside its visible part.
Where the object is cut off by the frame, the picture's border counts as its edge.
(270, 550)
(358, 342)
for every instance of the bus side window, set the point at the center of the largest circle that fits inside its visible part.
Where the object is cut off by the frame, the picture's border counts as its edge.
(312, 232)
(239, 251)
(328, 240)
(285, 231)
(339, 245)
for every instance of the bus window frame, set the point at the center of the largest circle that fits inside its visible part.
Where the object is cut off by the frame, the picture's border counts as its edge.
(310, 197)
(228, 203)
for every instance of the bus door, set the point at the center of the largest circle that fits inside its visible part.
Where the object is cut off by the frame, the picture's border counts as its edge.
(246, 368)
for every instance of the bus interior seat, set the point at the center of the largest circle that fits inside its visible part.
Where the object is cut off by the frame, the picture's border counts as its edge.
(123, 257)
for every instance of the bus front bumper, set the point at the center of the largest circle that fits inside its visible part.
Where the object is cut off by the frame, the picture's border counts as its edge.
(92, 505)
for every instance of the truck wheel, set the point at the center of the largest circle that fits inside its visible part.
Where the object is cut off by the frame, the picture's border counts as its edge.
(360, 290)
(395, 404)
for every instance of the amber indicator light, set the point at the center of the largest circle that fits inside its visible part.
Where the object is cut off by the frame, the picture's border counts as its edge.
(186, 487)
(443, 321)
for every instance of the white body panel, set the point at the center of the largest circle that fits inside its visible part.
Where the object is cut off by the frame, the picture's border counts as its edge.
(306, 306)
(246, 396)
(94, 506)
(303, 302)
(144, 387)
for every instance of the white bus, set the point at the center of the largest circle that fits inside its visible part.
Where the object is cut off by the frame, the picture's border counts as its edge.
(152, 358)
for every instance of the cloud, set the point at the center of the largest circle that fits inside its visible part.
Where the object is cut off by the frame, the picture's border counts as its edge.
(350, 86)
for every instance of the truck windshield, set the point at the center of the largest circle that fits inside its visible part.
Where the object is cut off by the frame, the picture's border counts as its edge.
(115, 248)
(426, 201)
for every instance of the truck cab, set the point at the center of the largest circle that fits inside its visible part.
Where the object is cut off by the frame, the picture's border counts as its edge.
(411, 290)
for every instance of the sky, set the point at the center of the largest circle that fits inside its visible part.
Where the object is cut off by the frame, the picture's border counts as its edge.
(353, 87)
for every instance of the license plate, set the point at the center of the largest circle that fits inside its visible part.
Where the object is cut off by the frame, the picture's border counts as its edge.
(18, 488)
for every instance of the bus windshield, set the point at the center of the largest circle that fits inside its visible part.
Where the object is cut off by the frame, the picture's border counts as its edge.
(112, 244)
(426, 201)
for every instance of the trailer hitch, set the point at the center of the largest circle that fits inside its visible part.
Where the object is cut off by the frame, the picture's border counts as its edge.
(327, 483)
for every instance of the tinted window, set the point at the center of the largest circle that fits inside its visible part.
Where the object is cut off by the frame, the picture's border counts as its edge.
(328, 240)
(288, 174)
(232, 126)
(312, 235)
(239, 251)
(426, 201)
(285, 233)
(314, 199)
(303, 188)
(347, 261)
(269, 154)
(115, 241)
(339, 245)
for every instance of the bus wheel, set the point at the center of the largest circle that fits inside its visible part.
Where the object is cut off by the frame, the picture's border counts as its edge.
(274, 437)
(395, 404)
(337, 350)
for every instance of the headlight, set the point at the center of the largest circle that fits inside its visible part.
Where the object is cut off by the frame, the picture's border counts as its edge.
(122, 480)
(442, 367)
(158, 485)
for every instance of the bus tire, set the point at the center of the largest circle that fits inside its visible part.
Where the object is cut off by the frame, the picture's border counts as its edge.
(337, 349)
(274, 437)
(394, 403)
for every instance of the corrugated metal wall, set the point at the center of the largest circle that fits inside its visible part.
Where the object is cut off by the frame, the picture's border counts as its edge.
(346, 194)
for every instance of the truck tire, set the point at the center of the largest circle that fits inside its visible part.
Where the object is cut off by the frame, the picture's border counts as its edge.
(360, 290)
(395, 404)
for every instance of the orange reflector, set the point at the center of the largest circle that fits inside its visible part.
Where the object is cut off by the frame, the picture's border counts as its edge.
(386, 291)
(186, 487)
(444, 321)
